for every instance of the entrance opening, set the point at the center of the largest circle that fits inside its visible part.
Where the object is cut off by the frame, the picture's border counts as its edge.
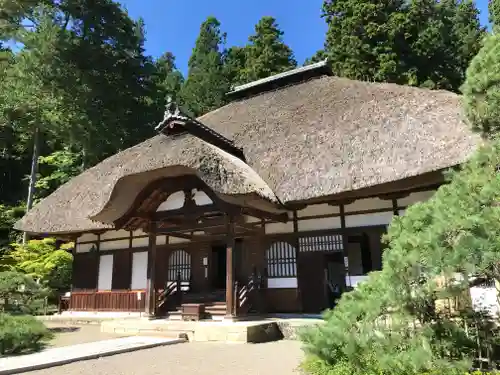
(219, 266)
(334, 278)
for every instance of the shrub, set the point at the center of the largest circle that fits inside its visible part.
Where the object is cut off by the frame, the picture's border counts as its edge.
(19, 333)
(20, 294)
(43, 261)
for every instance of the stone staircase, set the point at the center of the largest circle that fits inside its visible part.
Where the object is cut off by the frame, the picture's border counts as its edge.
(214, 303)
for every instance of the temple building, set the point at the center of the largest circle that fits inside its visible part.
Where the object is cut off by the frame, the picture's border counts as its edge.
(274, 203)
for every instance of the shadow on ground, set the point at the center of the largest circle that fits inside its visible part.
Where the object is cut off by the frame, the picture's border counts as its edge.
(63, 329)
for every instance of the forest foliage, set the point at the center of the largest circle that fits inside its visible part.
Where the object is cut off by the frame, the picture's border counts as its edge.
(77, 85)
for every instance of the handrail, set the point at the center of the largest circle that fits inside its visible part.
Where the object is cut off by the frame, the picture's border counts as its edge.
(246, 295)
(173, 289)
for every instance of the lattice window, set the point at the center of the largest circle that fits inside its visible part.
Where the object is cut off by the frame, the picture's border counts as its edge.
(327, 243)
(281, 260)
(179, 262)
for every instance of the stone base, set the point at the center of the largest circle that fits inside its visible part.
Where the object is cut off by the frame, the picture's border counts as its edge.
(224, 331)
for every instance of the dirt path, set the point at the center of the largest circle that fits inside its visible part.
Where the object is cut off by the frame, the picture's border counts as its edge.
(276, 358)
(66, 334)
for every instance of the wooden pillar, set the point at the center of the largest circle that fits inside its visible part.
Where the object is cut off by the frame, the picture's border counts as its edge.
(150, 289)
(98, 261)
(395, 209)
(230, 268)
(297, 254)
(345, 253)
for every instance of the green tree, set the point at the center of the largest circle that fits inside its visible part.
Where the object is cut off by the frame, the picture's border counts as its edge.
(481, 90)
(167, 77)
(206, 83)
(57, 168)
(317, 57)
(8, 216)
(494, 12)
(28, 102)
(234, 64)
(19, 293)
(425, 43)
(43, 261)
(361, 38)
(266, 54)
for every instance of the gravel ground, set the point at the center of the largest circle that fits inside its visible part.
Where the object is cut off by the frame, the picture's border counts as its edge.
(66, 334)
(276, 358)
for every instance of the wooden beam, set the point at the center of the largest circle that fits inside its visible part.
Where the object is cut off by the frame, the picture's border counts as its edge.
(150, 288)
(343, 202)
(192, 228)
(230, 268)
(282, 218)
(426, 181)
(182, 235)
(246, 226)
(182, 212)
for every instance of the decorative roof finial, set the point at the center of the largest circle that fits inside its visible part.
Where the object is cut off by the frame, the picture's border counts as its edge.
(172, 112)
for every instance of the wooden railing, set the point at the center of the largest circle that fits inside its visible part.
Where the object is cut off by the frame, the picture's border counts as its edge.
(121, 300)
(248, 297)
(171, 295)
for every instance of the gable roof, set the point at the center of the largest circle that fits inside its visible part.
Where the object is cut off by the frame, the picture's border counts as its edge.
(318, 138)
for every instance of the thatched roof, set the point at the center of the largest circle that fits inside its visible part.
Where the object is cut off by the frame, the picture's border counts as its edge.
(317, 138)
(122, 177)
(331, 135)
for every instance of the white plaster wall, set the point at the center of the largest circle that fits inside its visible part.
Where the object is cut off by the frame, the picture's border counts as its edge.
(420, 196)
(355, 280)
(141, 242)
(485, 299)
(368, 204)
(84, 247)
(279, 228)
(87, 237)
(115, 245)
(366, 220)
(201, 198)
(251, 219)
(110, 234)
(282, 282)
(104, 280)
(139, 270)
(173, 202)
(318, 209)
(316, 224)
(161, 240)
(173, 239)
(401, 212)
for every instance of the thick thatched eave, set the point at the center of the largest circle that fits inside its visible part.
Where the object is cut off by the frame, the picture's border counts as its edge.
(315, 139)
(90, 201)
(330, 135)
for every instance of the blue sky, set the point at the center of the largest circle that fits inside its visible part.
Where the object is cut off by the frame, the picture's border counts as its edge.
(174, 25)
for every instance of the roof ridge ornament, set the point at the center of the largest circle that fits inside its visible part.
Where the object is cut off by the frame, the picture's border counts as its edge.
(172, 113)
(176, 122)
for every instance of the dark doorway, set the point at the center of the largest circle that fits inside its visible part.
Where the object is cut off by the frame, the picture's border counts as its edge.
(219, 266)
(334, 278)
